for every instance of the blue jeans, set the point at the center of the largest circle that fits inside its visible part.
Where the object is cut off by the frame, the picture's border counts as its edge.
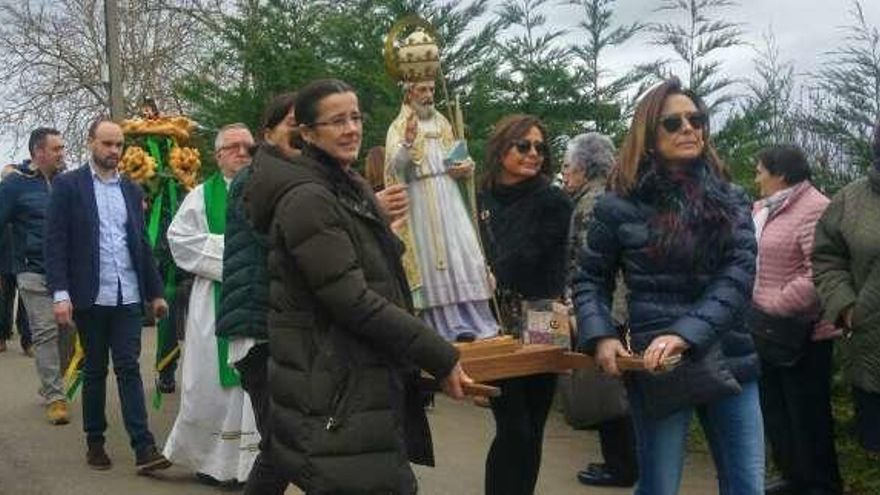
(116, 331)
(734, 429)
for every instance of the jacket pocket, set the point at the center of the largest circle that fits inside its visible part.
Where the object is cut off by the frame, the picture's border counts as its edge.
(341, 402)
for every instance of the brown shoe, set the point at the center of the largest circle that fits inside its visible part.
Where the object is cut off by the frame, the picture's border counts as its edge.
(150, 459)
(97, 458)
(2, 346)
(57, 412)
(28, 351)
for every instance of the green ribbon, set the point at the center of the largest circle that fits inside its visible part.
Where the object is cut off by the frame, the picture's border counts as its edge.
(74, 386)
(215, 210)
(165, 200)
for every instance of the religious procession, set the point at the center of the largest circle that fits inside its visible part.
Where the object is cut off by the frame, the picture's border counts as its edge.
(315, 306)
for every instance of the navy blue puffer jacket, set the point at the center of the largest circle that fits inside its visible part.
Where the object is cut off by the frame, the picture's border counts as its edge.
(668, 295)
(24, 199)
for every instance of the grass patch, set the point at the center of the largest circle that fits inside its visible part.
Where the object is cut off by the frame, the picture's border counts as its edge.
(860, 470)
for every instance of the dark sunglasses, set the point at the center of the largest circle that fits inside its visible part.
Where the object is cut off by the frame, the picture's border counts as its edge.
(673, 123)
(524, 145)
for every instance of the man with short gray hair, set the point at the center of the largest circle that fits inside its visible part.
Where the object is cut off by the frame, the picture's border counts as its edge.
(215, 432)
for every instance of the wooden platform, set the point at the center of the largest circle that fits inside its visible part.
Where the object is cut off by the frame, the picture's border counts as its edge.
(506, 357)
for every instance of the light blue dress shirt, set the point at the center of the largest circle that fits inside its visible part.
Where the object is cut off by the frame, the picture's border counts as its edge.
(116, 269)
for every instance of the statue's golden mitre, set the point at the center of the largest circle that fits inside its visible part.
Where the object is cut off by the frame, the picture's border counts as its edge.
(415, 58)
(418, 59)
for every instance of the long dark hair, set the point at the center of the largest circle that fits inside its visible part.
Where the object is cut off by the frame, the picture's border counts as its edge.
(637, 147)
(506, 131)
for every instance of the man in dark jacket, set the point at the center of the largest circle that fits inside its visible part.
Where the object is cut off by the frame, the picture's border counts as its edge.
(24, 199)
(100, 271)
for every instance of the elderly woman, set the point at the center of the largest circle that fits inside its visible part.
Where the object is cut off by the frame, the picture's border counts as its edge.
(795, 347)
(684, 239)
(846, 269)
(586, 163)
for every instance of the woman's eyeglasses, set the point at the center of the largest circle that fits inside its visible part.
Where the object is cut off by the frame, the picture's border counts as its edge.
(339, 123)
(524, 145)
(673, 123)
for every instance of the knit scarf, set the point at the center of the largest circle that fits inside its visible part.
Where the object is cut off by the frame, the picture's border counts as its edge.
(693, 218)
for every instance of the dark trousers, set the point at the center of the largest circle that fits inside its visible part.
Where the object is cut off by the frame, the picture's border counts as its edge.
(618, 442)
(263, 478)
(176, 320)
(867, 406)
(796, 404)
(116, 331)
(520, 415)
(7, 304)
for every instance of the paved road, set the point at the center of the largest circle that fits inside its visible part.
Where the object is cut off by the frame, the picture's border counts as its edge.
(39, 459)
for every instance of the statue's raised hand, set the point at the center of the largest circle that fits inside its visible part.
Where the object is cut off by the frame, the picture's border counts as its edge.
(412, 129)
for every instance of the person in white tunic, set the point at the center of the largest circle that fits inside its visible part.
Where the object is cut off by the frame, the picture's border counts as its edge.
(215, 433)
(443, 261)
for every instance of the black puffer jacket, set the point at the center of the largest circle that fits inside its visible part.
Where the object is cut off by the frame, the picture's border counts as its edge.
(340, 335)
(700, 301)
(244, 299)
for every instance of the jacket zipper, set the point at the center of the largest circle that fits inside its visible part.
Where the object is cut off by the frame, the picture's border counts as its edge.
(339, 406)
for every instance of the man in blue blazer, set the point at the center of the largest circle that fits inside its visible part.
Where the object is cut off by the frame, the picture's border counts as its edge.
(101, 272)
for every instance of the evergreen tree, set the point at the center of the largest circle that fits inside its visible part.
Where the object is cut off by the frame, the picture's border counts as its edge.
(696, 41)
(605, 97)
(849, 105)
(765, 116)
(534, 72)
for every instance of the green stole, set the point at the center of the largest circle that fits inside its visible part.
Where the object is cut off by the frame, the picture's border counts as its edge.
(215, 210)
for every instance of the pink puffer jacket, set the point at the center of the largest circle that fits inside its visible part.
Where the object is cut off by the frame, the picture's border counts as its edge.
(784, 282)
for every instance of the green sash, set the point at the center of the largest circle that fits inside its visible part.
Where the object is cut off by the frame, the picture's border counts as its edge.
(164, 206)
(215, 210)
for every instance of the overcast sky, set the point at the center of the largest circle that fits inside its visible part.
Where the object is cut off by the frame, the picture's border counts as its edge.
(804, 31)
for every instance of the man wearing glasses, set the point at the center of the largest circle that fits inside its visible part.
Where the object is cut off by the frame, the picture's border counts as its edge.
(215, 433)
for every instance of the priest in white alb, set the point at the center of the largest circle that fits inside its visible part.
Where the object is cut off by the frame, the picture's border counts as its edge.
(445, 265)
(215, 433)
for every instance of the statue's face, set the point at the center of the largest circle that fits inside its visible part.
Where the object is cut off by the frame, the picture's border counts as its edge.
(421, 98)
(422, 93)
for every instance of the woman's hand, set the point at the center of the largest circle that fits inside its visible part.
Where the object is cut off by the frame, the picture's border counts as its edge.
(453, 385)
(394, 201)
(662, 347)
(607, 352)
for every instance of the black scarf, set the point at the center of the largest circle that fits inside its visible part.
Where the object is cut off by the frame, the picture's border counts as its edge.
(693, 213)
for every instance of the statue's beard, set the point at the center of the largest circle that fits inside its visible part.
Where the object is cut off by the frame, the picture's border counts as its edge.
(424, 111)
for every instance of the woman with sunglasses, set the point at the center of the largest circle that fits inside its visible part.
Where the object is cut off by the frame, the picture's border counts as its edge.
(684, 239)
(345, 349)
(524, 226)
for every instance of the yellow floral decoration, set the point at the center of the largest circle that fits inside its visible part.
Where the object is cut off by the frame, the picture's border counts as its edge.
(137, 164)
